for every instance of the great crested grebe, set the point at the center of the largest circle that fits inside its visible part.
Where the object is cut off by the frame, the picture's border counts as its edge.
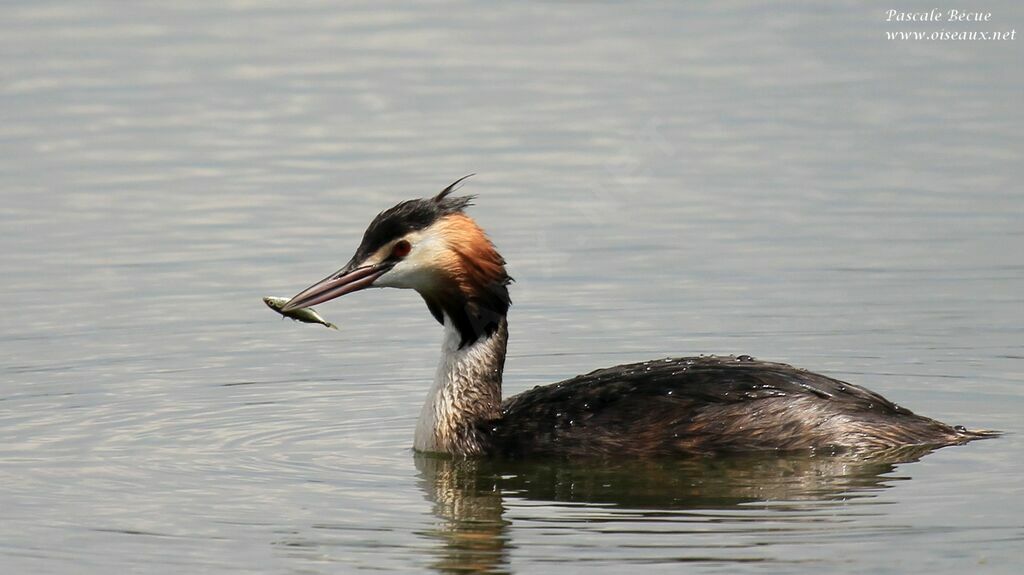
(695, 405)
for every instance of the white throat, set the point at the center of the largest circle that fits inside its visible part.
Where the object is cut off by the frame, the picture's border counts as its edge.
(466, 390)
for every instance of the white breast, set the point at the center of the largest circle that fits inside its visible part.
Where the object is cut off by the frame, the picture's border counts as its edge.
(440, 402)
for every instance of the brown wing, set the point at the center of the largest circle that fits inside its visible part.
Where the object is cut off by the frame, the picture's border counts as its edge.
(704, 405)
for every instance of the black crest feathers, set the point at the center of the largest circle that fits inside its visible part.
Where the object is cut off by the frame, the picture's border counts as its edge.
(451, 188)
(409, 216)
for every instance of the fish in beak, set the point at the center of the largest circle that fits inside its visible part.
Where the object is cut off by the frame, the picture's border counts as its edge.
(347, 280)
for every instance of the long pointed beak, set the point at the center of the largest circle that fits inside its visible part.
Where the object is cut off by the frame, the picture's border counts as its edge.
(346, 280)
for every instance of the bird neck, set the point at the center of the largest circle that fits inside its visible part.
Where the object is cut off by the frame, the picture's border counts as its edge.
(466, 392)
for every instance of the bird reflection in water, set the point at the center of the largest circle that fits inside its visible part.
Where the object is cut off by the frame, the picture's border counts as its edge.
(469, 495)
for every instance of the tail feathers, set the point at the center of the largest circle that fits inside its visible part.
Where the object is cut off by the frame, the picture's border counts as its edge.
(972, 434)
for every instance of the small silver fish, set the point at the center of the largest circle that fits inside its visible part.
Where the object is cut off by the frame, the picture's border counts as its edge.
(305, 315)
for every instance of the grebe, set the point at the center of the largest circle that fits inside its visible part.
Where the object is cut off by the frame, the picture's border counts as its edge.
(695, 405)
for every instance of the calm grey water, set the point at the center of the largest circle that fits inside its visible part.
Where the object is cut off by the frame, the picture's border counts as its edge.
(669, 179)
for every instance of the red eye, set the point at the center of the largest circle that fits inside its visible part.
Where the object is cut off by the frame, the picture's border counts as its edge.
(401, 249)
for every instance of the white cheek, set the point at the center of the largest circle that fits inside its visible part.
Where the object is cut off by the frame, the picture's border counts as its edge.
(419, 271)
(407, 274)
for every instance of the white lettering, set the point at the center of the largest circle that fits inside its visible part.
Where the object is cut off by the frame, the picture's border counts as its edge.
(934, 15)
(958, 16)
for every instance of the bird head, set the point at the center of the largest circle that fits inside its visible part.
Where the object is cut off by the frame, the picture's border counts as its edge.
(432, 246)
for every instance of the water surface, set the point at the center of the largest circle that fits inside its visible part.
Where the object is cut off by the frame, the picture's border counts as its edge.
(671, 180)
